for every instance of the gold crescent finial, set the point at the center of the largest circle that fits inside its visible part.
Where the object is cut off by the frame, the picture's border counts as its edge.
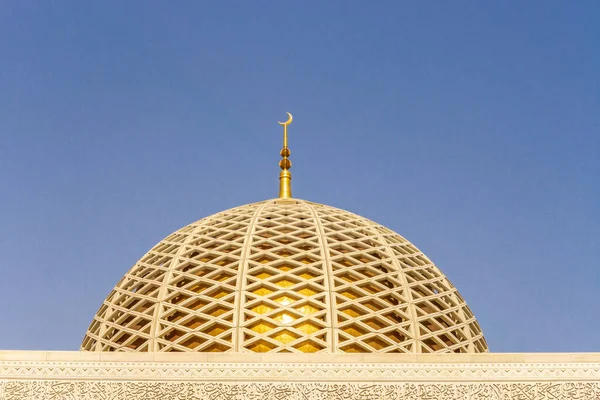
(289, 121)
(285, 176)
(285, 125)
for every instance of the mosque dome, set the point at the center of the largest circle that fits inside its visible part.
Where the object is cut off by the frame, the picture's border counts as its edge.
(285, 276)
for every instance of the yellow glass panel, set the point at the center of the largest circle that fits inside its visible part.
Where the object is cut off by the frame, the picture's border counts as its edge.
(284, 283)
(262, 291)
(372, 305)
(284, 318)
(203, 271)
(216, 348)
(396, 336)
(307, 309)
(224, 262)
(263, 275)
(266, 235)
(371, 289)
(307, 292)
(216, 330)
(353, 348)
(285, 336)
(375, 324)
(262, 327)
(261, 347)
(307, 347)
(177, 315)
(348, 278)
(350, 295)
(368, 273)
(353, 331)
(195, 305)
(284, 253)
(221, 277)
(229, 249)
(219, 294)
(173, 335)
(284, 300)
(199, 287)
(376, 343)
(218, 311)
(175, 300)
(193, 342)
(395, 318)
(262, 309)
(307, 276)
(194, 323)
(307, 328)
(285, 267)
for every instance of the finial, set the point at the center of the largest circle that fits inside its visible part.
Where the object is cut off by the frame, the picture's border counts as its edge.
(285, 176)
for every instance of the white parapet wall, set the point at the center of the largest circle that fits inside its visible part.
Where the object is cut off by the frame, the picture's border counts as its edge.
(40, 375)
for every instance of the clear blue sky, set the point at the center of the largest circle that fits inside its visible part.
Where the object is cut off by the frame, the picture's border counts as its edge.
(470, 128)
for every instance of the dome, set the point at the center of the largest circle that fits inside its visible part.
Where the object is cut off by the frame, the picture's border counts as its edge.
(285, 275)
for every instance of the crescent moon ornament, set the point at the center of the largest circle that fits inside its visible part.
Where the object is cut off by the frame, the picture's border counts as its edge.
(285, 125)
(289, 121)
(285, 176)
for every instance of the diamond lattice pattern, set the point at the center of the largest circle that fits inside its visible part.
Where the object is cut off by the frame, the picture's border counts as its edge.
(285, 276)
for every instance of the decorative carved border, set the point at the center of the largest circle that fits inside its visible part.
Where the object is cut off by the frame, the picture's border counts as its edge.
(299, 372)
(97, 390)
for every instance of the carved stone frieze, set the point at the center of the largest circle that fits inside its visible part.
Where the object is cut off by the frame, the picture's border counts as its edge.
(149, 390)
(326, 372)
(119, 376)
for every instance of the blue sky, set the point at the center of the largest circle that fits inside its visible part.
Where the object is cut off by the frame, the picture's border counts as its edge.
(472, 129)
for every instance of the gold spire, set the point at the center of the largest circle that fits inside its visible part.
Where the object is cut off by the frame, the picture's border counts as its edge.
(285, 176)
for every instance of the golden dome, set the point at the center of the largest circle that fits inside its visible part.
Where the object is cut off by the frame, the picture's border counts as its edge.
(285, 275)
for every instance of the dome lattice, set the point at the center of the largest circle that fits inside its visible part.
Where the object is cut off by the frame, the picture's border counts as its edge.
(285, 276)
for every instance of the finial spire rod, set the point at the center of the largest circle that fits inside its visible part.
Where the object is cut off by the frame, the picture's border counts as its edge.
(285, 176)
